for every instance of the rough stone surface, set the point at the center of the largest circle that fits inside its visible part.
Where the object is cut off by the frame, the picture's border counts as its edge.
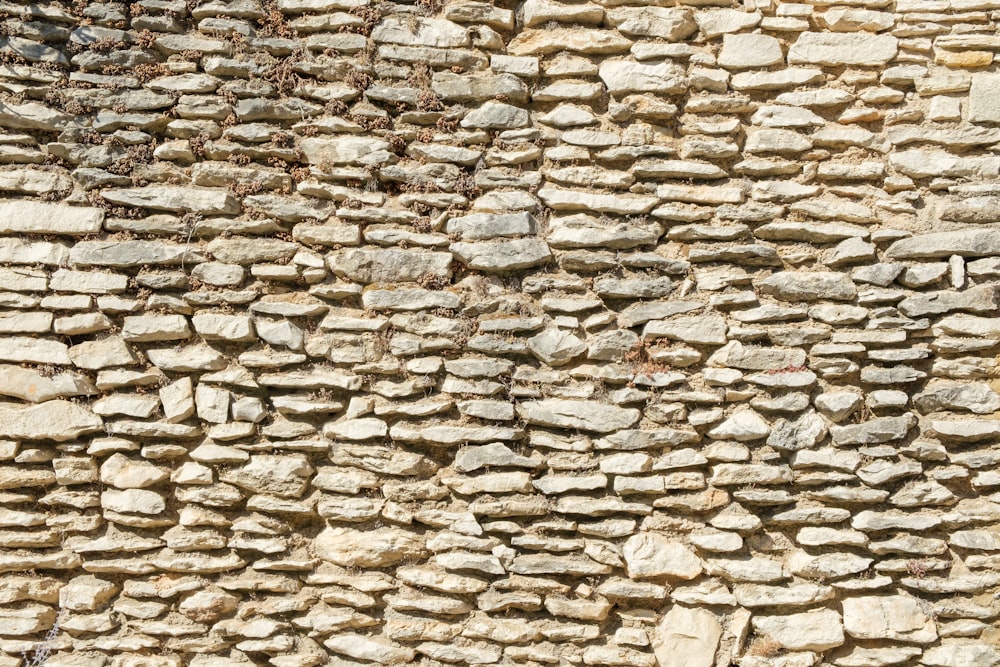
(612, 334)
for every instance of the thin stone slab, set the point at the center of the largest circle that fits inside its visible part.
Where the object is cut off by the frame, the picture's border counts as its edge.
(31, 217)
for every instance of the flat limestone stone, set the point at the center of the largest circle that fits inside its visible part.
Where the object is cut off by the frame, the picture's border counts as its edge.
(389, 265)
(31, 217)
(961, 652)
(810, 631)
(623, 76)
(744, 51)
(894, 617)
(667, 23)
(368, 548)
(23, 349)
(34, 116)
(132, 253)
(984, 98)
(506, 255)
(365, 648)
(686, 637)
(208, 201)
(809, 285)
(653, 556)
(966, 242)
(535, 42)
(53, 420)
(30, 385)
(836, 49)
(583, 415)
(562, 199)
(419, 31)
(340, 149)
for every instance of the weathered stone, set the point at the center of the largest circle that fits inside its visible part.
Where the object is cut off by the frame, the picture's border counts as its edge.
(169, 198)
(368, 548)
(420, 32)
(343, 149)
(668, 23)
(686, 637)
(543, 41)
(654, 555)
(959, 652)
(622, 76)
(967, 243)
(983, 95)
(283, 476)
(583, 415)
(35, 387)
(29, 217)
(504, 255)
(52, 420)
(123, 473)
(696, 330)
(810, 631)
(837, 49)
(892, 617)
(744, 51)
(809, 286)
(389, 265)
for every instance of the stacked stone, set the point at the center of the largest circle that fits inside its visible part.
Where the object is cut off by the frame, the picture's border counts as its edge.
(351, 332)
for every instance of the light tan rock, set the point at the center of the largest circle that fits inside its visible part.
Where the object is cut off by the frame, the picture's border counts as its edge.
(891, 617)
(52, 420)
(686, 637)
(810, 631)
(31, 385)
(32, 217)
(653, 555)
(368, 548)
(836, 49)
(534, 42)
(122, 472)
(584, 415)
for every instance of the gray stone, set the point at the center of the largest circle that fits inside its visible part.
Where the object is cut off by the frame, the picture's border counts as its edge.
(502, 255)
(496, 116)
(132, 253)
(874, 431)
(174, 198)
(809, 286)
(804, 432)
(341, 149)
(583, 415)
(977, 397)
(695, 330)
(967, 243)
(389, 265)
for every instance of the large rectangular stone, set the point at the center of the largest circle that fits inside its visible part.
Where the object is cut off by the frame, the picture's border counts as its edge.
(209, 201)
(132, 253)
(32, 217)
(984, 98)
(846, 48)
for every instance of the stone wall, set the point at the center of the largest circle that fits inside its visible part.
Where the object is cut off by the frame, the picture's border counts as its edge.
(532, 333)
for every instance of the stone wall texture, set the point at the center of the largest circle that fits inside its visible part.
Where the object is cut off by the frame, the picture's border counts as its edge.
(613, 333)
